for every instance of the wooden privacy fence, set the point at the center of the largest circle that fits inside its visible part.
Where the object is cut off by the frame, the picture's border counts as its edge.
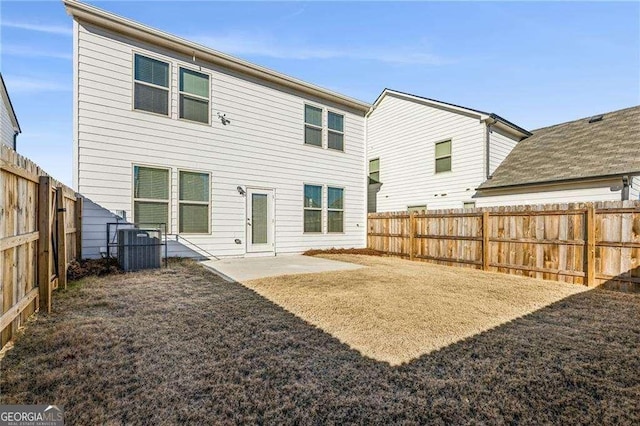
(586, 243)
(40, 233)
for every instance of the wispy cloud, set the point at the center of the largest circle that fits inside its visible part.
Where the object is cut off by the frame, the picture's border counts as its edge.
(22, 84)
(31, 52)
(39, 27)
(245, 44)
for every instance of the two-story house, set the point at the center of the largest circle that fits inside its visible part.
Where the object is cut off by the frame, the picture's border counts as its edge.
(234, 158)
(9, 127)
(427, 154)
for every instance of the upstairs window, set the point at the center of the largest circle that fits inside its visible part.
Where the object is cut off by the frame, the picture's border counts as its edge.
(335, 209)
(374, 171)
(194, 96)
(443, 157)
(312, 125)
(194, 206)
(336, 131)
(312, 208)
(151, 85)
(151, 195)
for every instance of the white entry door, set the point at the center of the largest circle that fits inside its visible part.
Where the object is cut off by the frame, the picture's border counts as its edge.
(260, 221)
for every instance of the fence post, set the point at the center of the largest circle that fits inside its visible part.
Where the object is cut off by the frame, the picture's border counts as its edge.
(591, 245)
(44, 242)
(61, 237)
(78, 225)
(485, 241)
(412, 234)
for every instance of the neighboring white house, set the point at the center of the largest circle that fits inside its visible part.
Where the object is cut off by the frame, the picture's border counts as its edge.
(424, 153)
(592, 159)
(235, 158)
(9, 127)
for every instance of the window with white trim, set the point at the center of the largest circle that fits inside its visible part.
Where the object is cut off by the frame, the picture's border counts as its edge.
(335, 209)
(335, 135)
(194, 204)
(469, 205)
(193, 89)
(312, 125)
(416, 209)
(313, 208)
(374, 170)
(151, 85)
(443, 156)
(151, 195)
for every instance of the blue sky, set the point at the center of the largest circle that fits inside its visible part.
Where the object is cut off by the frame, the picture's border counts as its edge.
(535, 64)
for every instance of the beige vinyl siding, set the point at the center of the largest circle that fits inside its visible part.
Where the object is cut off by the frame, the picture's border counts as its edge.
(500, 146)
(566, 193)
(403, 135)
(262, 146)
(634, 191)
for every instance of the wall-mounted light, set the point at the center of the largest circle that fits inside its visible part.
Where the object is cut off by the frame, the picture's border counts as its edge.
(223, 119)
(241, 191)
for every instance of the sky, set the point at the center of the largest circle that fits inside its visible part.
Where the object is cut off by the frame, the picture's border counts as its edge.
(534, 63)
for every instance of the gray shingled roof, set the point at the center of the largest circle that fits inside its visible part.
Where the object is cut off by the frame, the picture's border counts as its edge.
(574, 150)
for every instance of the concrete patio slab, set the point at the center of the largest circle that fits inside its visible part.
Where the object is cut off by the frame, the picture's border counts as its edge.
(251, 268)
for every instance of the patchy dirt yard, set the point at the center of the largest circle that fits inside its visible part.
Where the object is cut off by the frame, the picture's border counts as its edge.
(395, 310)
(183, 346)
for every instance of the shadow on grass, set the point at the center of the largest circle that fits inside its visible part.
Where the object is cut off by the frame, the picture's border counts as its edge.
(183, 345)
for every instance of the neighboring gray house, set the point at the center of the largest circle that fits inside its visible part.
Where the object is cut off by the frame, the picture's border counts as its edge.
(235, 158)
(591, 159)
(9, 127)
(429, 154)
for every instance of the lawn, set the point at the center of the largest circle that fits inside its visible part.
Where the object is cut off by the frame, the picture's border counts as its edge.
(395, 310)
(182, 345)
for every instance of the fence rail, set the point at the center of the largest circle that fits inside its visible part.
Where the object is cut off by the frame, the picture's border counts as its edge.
(585, 243)
(40, 233)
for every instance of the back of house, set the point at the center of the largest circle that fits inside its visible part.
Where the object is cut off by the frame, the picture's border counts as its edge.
(236, 159)
(429, 154)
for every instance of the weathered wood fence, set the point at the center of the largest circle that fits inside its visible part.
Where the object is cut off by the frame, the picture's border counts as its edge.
(40, 233)
(586, 243)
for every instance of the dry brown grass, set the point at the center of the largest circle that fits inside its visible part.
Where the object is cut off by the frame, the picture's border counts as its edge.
(183, 346)
(396, 310)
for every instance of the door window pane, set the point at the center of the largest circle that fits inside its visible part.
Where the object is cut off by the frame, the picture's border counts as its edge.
(259, 218)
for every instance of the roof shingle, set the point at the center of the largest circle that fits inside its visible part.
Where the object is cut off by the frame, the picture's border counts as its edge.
(574, 150)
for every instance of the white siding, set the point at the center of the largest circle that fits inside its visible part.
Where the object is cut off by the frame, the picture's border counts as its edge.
(569, 193)
(262, 146)
(403, 135)
(7, 130)
(500, 146)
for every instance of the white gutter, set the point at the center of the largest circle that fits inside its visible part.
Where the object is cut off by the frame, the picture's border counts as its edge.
(110, 21)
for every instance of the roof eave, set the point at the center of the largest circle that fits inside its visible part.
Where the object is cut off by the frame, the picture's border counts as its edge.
(556, 182)
(99, 17)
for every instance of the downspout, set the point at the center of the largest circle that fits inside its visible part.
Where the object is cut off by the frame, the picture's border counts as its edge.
(487, 148)
(15, 140)
(625, 188)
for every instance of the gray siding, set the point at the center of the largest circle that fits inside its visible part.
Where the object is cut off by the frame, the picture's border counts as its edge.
(262, 147)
